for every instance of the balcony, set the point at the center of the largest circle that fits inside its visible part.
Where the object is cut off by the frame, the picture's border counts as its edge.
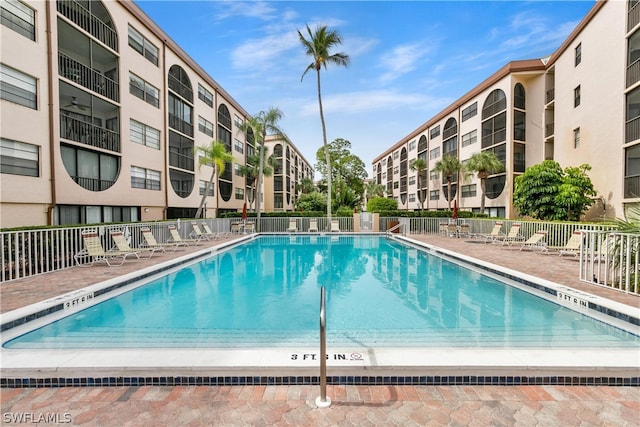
(633, 17)
(78, 130)
(180, 125)
(549, 129)
(633, 73)
(89, 22)
(93, 184)
(632, 130)
(550, 96)
(180, 160)
(91, 79)
(632, 187)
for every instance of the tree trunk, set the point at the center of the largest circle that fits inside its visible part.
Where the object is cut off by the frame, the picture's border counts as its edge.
(204, 196)
(326, 154)
(483, 189)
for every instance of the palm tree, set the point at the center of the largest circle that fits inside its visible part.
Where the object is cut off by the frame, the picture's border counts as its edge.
(250, 171)
(373, 189)
(484, 163)
(215, 155)
(448, 166)
(265, 122)
(305, 186)
(419, 165)
(318, 46)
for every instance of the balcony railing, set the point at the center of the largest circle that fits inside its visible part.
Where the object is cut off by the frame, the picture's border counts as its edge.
(93, 184)
(88, 22)
(180, 125)
(89, 134)
(550, 96)
(549, 129)
(632, 130)
(87, 77)
(632, 187)
(633, 73)
(180, 161)
(633, 17)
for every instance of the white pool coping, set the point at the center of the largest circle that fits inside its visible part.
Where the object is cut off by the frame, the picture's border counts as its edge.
(292, 361)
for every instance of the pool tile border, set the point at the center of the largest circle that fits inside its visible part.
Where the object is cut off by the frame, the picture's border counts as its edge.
(315, 380)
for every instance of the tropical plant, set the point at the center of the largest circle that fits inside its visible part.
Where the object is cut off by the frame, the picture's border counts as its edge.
(626, 255)
(345, 167)
(419, 165)
(382, 204)
(448, 166)
(544, 191)
(311, 202)
(250, 171)
(318, 47)
(263, 123)
(484, 163)
(305, 186)
(373, 189)
(215, 155)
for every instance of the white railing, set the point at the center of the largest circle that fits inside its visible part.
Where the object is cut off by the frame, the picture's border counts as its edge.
(26, 253)
(611, 259)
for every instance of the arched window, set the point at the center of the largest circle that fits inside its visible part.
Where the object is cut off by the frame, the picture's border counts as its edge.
(494, 135)
(519, 114)
(179, 83)
(423, 145)
(519, 97)
(450, 138)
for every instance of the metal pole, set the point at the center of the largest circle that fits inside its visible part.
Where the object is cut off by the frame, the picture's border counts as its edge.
(323, 401)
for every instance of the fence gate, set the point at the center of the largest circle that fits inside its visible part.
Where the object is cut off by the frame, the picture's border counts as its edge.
(366, 221)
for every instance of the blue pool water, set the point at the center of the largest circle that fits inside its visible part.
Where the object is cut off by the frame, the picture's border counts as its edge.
(380, 293)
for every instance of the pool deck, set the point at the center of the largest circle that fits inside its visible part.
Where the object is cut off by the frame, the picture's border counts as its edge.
(543, 405)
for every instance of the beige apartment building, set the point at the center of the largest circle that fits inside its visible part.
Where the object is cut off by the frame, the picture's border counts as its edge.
(289, 169)
(101, 117)
(579, 105)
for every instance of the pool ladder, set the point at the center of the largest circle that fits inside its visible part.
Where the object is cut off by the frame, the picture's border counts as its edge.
(323, 401)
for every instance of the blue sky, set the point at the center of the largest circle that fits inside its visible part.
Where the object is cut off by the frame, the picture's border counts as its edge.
(409, 59)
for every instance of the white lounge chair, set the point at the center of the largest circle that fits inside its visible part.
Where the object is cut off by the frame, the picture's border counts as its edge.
(293, 226)
(313, 226)
(513, 235)
(150, 241)
(198, 234)
(176, 238)
(123, 246)
(571, 248)
(536, 241)
(94, 252)
(495, 232)
(335, 225)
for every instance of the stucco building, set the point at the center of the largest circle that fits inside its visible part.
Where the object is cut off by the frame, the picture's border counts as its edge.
(579, 105)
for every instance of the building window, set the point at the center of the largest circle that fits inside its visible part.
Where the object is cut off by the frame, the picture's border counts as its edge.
(434, 195)
(519, 129)
(396, 184)
(239, 192)
(434, 175)
(412, 180)
(576, 137)
(19, 17)
(91, 170)
(434, 132)
(238, 146)
(412, 198)
(143, 90)
(435, 153)
(277, 201)
(412, 145)
(143, 46)
(237, 170)
(632, 172)
(396, 170)
(205, 96)
(143, 134)
(396, 155)
(205, 126)
(576, 96)
(237, 120)
(578, 54)
(470, 111)
(468, 190)
(19, 158)
(18, 87)
(494, 130)
(145, 178)
(202, 188)
(470, 138)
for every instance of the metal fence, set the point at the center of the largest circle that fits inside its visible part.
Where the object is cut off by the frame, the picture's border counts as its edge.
(612, 260)
(30, 252)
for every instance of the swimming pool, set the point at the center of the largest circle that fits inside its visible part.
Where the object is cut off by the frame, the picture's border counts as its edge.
(380, 293)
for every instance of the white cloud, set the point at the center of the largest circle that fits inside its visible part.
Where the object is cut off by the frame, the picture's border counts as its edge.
(401, 60)
(254, 9)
